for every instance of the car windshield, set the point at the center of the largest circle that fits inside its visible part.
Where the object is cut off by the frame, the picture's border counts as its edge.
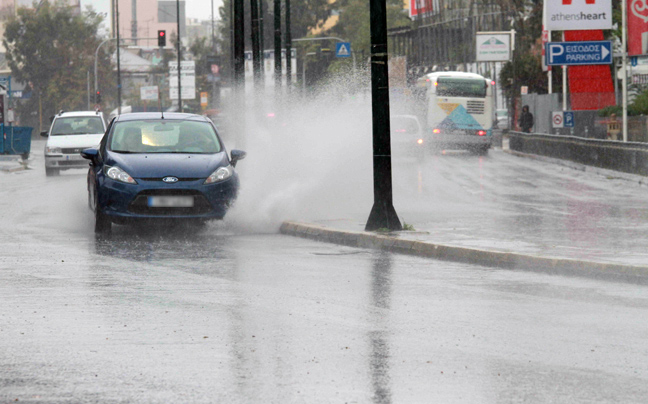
(460, 87)
(164, 136)
(79, 125)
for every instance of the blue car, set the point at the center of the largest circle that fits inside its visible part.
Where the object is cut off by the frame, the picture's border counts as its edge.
(161, 166)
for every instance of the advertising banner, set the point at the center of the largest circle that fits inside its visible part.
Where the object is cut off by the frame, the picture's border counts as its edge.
(569, 15)
(637, 27)
(493, 46)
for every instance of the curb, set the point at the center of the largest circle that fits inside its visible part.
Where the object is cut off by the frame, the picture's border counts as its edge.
(506, 260)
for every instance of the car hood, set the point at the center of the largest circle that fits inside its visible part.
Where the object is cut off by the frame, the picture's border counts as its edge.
(68, 141)
(158, 165)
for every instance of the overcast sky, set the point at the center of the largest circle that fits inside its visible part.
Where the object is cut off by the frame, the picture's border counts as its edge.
(200, 9)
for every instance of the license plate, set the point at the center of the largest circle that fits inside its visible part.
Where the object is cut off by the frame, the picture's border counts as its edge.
(170, 201)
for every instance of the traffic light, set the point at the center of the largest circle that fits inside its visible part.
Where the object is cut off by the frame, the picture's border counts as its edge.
(98, 97)
(161, 37)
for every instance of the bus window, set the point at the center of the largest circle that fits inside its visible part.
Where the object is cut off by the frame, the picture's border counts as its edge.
(461, 87)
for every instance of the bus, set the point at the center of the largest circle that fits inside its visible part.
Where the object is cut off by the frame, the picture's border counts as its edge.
(458, 109)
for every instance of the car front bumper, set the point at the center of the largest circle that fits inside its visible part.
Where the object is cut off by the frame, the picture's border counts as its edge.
(123, 203)
(65, 161)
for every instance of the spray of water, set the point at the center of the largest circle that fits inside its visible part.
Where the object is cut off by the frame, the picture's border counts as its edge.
(311, 161)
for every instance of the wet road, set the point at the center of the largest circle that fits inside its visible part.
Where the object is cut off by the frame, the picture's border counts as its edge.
(238, 314)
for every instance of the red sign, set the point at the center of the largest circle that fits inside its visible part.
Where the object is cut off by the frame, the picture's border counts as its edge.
(420, 7)
(637, 27)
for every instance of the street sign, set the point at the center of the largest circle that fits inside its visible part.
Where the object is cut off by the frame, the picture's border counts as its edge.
(557, 119)
(187, 77)
(493, 46)
(149, 93)
(569, 119)
(579, 53)
(562, 119)
(343, 49)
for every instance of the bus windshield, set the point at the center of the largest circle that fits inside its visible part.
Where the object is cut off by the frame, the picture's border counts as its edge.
(460, 87)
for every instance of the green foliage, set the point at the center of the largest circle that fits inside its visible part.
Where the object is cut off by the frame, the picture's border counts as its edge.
(52, 51)
(639, 105)
(408, 227)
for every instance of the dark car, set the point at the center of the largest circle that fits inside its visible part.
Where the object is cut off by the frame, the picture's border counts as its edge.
(165, 166)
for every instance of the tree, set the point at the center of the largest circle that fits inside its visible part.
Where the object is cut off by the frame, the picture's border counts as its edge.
(52, 51)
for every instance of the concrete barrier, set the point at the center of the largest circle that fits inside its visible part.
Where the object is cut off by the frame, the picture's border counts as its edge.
(628, 157)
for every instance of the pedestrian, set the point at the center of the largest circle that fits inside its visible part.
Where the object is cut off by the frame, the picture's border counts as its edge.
(526, 119)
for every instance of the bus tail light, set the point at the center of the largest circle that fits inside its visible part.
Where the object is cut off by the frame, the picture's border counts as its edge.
(481, 133)
(437, 131)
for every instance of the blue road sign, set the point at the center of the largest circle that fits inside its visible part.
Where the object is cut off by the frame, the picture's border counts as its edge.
(343, 49)
(569, 119)
(579, 53)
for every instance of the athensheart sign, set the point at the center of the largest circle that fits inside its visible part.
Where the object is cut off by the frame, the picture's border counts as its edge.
(568, 15)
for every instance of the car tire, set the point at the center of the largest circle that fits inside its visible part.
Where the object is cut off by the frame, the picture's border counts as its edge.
(103, 225)
(49, 172)
(25, 156)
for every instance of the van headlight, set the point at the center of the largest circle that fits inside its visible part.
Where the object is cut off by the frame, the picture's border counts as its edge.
(117, 174)
(221, 174)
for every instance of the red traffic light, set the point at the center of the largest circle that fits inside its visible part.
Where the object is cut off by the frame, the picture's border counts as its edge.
(161, 38)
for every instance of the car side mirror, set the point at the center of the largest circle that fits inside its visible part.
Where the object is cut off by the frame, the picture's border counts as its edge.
(236, 156)
(90, 154)
(44, 134)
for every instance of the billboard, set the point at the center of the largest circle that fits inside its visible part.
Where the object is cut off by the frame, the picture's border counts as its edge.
(637, 27)
(569, 15)
(493, 46)
(419, 8)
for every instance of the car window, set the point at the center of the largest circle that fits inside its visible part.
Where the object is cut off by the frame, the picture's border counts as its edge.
(77, 125)
(164, 136)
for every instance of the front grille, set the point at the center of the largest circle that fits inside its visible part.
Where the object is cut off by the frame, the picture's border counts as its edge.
(475, 107)
(75, 150)
(179, 179)
(140, 203)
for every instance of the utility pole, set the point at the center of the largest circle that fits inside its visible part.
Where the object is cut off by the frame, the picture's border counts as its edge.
(277, 45)
(118, 60)
(179, 58)
(239, 70)
(288, 49)
(256, 57)
(382, 214)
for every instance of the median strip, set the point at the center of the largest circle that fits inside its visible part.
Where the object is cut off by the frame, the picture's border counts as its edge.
(498, 259)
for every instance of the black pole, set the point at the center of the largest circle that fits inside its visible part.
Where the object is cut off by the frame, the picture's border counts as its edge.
(288, 49)
(382, 214)
(239, 43)
(277, 45)
(261, 35)
(256, 59)
(179, 59)
(118, 61)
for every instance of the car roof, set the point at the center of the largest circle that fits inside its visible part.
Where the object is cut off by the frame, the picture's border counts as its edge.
(139, 116)
(64, 114)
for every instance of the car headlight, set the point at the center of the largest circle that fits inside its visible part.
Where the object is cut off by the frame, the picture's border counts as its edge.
(221, 174)
(118, 174)
(53, 150)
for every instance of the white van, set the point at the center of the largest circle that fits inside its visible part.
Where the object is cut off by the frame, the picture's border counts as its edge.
(69, 134)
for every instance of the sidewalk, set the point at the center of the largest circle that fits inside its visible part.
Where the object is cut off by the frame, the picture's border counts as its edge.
(470, 243)
(9, 164)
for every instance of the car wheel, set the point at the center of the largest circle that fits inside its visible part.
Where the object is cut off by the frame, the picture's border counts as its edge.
(25, 156)
(49, 172)
(103, 225)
